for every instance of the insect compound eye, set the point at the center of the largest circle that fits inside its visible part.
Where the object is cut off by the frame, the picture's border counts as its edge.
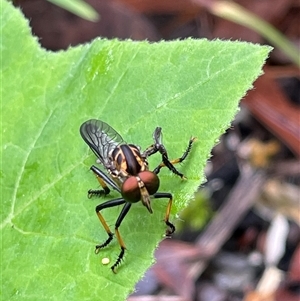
(130, 190)
(150, 180)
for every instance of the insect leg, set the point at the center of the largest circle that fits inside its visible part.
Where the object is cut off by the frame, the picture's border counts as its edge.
(169, 163)
(188, 149)
(149, 151)
(103, 179)
(160, 195)
(157, 146)
(120, 240)
(108, 204)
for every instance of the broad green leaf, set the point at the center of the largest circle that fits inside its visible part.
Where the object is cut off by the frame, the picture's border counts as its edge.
(49, 227)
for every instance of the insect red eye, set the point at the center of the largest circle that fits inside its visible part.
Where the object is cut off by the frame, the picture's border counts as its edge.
(130, 190)
(150, 180)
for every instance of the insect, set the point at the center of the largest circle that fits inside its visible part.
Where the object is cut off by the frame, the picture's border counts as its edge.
(128, 173)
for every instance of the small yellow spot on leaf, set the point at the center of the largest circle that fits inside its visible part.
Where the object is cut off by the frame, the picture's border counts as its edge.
(105, 260)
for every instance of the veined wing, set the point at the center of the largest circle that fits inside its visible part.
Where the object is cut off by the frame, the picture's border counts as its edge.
(101, 138)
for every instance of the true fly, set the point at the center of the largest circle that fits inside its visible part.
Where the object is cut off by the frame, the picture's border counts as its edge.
(128, 173)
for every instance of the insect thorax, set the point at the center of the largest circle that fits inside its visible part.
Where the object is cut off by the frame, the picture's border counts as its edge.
(127, 160)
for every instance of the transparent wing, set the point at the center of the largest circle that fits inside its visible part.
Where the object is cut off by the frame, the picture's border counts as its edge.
(101, 138)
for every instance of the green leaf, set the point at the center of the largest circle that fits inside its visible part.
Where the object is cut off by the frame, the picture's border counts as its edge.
(49, 227)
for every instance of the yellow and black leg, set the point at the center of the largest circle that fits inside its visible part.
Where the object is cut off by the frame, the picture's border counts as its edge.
(123, 213)
(170, 163)
(108, 204)
(159, 195)
(125, 209)
(103, 180)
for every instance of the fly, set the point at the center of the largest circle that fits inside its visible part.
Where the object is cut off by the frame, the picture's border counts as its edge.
(128, 173)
